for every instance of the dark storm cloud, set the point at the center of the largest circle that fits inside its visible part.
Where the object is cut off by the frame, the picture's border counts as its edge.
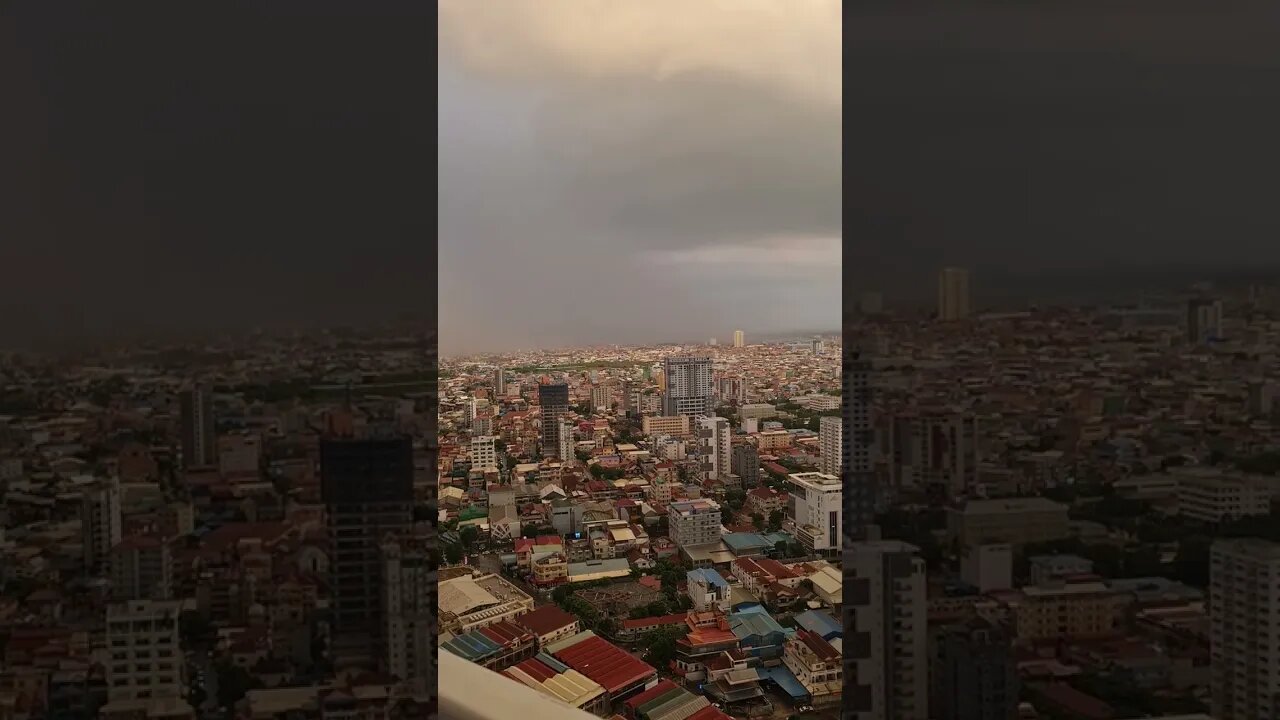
(629, 205)
(179, 170)
(1029, 140)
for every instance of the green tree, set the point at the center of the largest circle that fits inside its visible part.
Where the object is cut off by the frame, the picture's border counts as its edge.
(453, 553)
(775, 520)
(193, 628)
(468, 535)
(758, 520)
(735, 499)
(661, 646)
(233, 682)
(197, 696)
(780, 548)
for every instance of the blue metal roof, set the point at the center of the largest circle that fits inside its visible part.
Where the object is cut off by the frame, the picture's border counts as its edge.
(821, 623)
(709, 576)
(472, 646)
(753, 622)
(552, 663)
(741, 541)
(785, 680)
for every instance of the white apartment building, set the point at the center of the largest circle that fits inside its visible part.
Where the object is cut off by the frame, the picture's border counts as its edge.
(818, 510)
(409, 625)
(714, 438)
(830, 444)
(708, 590)
(484, 453)
(688, 386)
(665, 425)
(566, 441)
(818, 403)
(602, 397)
(1244, 612)
(146, 660)
(739, 339)
(1214, 498)
(988, 567)
(887, 602)
(694, 522)
(815, 663)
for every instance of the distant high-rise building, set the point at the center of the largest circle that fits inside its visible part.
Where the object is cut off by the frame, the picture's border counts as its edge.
(746, 464)
(100, 524)
(816, 346)
(712, 342)
(830, 444)
(972, 673)
(688, 386)
(366, 485)
(409, 608)
(714, 443)
(499, 382)
(553, 403)
(565, 438)
(938, 448)
(602, 398)
(953, 294)
(857, 440)
(739, 339)
(1244, 599)
(1204, 320)
(199, 431)
(731, 389)
(886, 676)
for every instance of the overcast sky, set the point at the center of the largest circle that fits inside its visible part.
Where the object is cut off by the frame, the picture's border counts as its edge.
(637, 171)
(613, 170)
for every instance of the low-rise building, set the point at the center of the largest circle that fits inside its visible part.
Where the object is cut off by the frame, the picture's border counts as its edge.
(1015, 521)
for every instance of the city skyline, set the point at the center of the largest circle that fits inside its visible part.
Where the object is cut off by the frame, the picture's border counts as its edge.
(606, 186)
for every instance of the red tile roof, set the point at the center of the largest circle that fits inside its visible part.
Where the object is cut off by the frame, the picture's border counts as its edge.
(607, 664)
(507, 633)
(820, 647)
(709, 713)
(546, 620)
(676, 619)
(663, 686)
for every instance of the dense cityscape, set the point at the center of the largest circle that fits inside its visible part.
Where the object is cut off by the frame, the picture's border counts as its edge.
(568, 360)
(1068, 508)
(204, 532)
(1061, 512)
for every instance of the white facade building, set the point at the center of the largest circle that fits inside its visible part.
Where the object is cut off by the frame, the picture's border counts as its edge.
(146, 659)
(830, 444)
(887, 603)
(818, 510)
(1244, 602)
(409, 624)
(1214, 498)
(714, 440)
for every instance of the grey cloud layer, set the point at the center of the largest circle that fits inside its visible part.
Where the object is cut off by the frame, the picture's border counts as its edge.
(586, 192)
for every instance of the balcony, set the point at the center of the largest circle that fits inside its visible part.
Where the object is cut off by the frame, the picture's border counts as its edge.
(470, 692)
